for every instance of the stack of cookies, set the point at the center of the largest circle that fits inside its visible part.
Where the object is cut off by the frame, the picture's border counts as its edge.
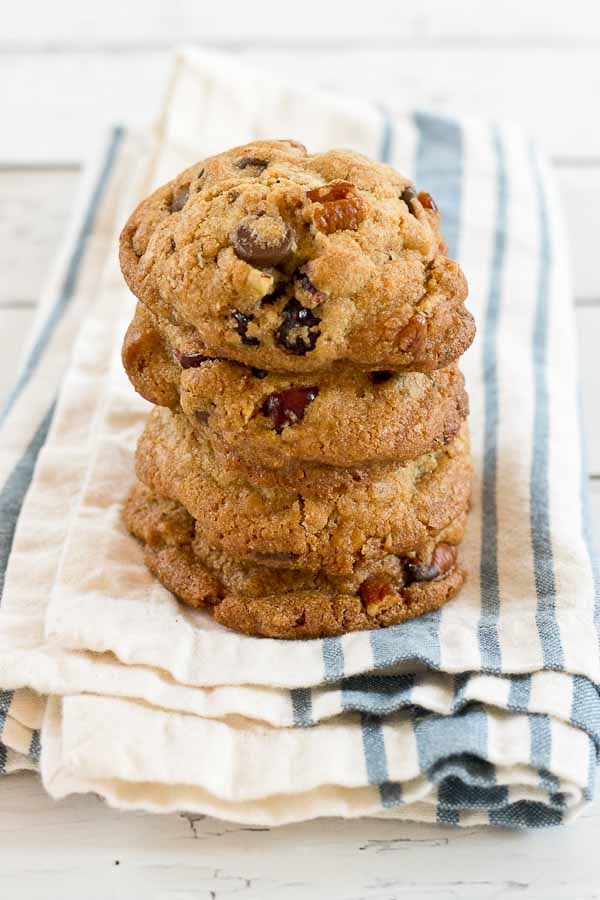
(305, 470)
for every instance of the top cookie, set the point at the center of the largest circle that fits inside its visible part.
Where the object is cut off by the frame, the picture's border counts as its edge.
(292, 261)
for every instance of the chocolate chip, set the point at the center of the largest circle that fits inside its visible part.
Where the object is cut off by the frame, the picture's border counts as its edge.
(190, 360)
(179, 199)
(420, 572)
(409, 195)
(201, 416)
(259, 373)
(442, 560)
(427, 201)
(253, 162)
(288, 407)
(298, 332)
(263, 241)
(242, 328)
(380, 377)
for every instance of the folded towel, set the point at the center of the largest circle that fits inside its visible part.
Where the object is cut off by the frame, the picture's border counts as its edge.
(486, 711)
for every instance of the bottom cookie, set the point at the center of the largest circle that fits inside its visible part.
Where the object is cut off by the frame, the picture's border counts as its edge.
(282, 603)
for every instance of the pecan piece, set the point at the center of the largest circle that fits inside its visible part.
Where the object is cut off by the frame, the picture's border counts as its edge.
(427, 201)
(378, 593)
(338, 206)
(413, 336)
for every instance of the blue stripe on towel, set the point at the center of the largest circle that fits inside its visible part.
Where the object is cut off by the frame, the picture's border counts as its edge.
(390, 792)
(541, 537)
(302, 707)
(35, 747)
(519, 693)
(490, 589)
(377, 695)
(333, 658)
(14, 490)
(70, 280)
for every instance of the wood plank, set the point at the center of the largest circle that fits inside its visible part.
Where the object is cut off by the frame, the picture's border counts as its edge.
(34, 208)
(588, 331)
(14, 327)
(84, 849)
(58, 102)
(69, 23)
(580, 192)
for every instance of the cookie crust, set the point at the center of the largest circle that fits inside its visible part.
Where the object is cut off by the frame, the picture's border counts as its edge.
(274, 603)
(319, 522)
(341, 417)
(291, 261)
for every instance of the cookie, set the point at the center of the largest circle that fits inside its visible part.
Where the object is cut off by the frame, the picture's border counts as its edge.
(267, 602)
(340, 417)
(290, 262)
(309, 523)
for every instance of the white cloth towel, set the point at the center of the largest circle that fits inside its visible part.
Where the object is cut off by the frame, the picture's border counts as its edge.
(484, 712)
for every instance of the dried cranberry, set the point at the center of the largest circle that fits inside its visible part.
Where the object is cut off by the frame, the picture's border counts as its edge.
(243, 321)
(298, 332)
(288, 407)
(190, 360)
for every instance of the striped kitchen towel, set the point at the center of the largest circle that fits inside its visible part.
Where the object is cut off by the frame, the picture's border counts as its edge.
(484, 712)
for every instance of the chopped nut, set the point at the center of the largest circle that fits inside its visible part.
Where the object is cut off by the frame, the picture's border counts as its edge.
(338, 206)
(412, 337)
(377, 594)
(427, 201)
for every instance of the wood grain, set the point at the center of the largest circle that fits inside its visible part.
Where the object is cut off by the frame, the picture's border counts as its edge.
(69, 23)
(96, 853)
(57, 102)
(34, 207)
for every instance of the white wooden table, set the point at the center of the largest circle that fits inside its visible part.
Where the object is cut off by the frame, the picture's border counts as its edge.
(66, 70)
